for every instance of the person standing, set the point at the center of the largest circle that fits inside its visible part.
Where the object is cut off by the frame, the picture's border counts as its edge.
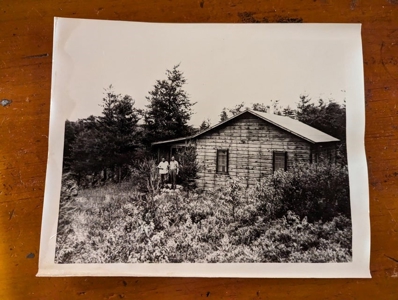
(163, 171)
(174, 168)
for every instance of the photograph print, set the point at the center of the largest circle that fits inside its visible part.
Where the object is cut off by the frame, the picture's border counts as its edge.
(204, 144)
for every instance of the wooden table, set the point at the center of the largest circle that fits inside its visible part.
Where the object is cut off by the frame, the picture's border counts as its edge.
(26, 29)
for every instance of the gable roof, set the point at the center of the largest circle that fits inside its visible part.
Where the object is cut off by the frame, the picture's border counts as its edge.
(288, 124)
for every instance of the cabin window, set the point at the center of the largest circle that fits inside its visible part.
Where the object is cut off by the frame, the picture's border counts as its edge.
(280, 160)
(222, 161)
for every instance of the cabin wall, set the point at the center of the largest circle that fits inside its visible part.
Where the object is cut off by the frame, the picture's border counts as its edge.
(324, 152)
(250, 142)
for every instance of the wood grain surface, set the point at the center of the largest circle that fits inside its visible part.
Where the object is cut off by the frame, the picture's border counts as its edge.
(26, 29)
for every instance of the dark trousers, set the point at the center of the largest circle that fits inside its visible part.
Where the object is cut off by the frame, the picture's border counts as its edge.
(162, 180)
(173, 178)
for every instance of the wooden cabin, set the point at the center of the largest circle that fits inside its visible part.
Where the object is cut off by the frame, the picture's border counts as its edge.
(251, 145)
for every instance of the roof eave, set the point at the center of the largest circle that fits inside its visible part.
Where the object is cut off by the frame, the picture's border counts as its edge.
(172, 140)
(290, 131)
(199, 133)
(233, 117)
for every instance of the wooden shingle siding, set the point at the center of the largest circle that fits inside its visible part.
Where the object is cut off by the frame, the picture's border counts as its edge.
(250, 142)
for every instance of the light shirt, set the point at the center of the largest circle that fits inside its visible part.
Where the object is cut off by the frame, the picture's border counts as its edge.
(163, 165)
(174, 165)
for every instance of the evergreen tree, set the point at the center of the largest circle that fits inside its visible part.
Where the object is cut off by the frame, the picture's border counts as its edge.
(230, 112)
(189, 168)
(260, 107)
(106, 142)
(118, 129)
(223, 115)
(289, 112)
(328, 117)
(169, 109)
(71, 131)
(87, 150)
(237, 109)
(205, 125)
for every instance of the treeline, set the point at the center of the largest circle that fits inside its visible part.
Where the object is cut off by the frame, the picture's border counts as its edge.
(107, 147)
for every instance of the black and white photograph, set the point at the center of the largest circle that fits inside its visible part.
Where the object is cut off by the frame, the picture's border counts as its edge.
(206, 150)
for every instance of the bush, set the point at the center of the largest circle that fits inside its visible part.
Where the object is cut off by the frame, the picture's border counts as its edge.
(291, 239)
(117, 223)
(189, 168)
(144, 176)
(315, 191)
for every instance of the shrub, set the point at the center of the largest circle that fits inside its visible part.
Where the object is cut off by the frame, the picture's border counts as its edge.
(291, 239)
(144, 176)
(189, 168)
(315, 191)
(118, 223)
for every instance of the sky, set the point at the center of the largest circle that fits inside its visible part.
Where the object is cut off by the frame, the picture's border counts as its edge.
(224, 64)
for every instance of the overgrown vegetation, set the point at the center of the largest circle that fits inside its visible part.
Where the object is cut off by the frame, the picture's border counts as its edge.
(272, 222)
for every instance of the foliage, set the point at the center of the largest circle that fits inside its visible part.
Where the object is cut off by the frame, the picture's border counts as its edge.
(229, 112)
(114, 224)
(223, 115)
(169, 108)
(189, 168)
(71, 131)
(289, 112)
(260, 107)
(87, 153)
(292, 239)
(328, 117)
(232, 194)
(205, 125)
(118, 126)
(109, 141)
(144, 175)
(296, 191)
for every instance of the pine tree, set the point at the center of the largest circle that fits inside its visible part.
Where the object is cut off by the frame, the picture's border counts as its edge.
(260, 107)
(205, 125)
(169, 109)
(106, 142)
(223, 115)
(118, 129)
(231, 111)
(86, 150)
(328, 117)
(289, 112)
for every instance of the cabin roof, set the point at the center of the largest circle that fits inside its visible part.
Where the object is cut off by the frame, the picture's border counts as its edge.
(288, 124)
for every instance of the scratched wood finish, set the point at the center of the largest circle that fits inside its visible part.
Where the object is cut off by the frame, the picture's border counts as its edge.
(25, 75)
